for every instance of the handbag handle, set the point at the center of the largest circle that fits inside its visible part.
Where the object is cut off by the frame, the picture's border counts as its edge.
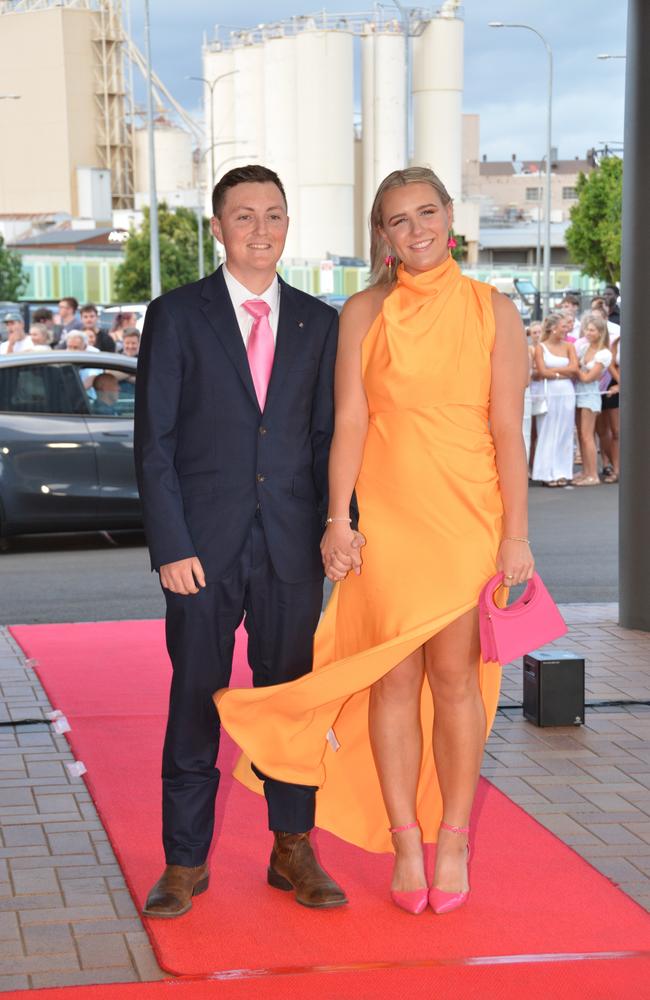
(522, 602)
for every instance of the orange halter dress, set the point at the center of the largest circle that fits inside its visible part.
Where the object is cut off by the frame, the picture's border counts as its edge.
(431, 511)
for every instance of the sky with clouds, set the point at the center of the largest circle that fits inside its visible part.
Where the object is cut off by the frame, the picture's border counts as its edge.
(505, 70)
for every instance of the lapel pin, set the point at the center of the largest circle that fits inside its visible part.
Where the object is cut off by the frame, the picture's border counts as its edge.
(300, 324)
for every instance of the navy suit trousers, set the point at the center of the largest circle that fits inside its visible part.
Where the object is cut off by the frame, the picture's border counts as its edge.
(280, 619)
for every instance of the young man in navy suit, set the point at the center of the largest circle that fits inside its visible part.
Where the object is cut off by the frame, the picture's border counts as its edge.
(231, 451)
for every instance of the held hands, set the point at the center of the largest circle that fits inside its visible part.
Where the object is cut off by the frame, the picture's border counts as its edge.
(341, 551)
(184, 576)
(516, 561)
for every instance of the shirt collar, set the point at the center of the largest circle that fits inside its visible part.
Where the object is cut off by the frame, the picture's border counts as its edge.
(240, 294)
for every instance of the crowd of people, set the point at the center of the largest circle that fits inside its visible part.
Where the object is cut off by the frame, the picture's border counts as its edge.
(571, 415)
(71, 328)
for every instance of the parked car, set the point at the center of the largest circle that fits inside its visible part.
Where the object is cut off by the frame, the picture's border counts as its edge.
(337, 301)
(66, 443)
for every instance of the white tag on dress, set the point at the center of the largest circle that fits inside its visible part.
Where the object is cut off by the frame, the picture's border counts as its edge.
(332, 740)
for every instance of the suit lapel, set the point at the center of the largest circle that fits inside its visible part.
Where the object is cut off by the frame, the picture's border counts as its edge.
(289, 342)
(218, 308)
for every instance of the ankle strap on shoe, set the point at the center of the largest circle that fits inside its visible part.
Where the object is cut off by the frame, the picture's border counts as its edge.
(400, 829)
(454, 829)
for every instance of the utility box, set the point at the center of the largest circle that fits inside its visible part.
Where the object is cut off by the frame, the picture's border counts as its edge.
(554, 688)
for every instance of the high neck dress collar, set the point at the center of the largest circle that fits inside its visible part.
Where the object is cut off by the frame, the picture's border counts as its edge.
(430, 282)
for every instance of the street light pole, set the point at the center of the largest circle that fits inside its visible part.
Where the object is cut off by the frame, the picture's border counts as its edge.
(154, 238)
(211, 84)
(199, 221)
(547, 220)
(407, 80)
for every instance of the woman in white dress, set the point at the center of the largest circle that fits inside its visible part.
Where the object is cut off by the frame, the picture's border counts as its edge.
(594, 358)
(557, 364)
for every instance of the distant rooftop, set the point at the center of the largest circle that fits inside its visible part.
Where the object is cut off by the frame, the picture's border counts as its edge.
(520, 236)
(519, 168)
(69, 239)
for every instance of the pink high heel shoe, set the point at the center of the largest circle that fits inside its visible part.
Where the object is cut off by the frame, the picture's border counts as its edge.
(415, 900)
(444, 902)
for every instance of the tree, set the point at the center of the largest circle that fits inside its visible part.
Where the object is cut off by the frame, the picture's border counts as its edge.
(13, 279)
(178, 254)
(594, 236)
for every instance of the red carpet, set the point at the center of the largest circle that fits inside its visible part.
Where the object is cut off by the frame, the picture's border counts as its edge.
(577, 980)
(532, 896)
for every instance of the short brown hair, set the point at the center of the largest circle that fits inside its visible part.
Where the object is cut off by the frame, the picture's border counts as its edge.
(253, 173)
(72, 302)
(89, 308)
(130, 331)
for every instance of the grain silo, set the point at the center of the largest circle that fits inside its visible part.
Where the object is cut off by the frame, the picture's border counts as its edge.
(218, 69)
(383, 106)
(281, 132)
(438, 96)
(173, 152)
(325, 138)
(248, 110)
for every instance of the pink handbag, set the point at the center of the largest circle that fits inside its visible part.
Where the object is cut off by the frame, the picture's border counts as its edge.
(528, 623)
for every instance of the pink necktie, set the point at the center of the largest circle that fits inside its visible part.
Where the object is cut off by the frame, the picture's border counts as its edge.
(261, 347)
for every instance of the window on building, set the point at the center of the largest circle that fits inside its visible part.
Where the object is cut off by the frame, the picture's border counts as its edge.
(532, 194)
(569, 193)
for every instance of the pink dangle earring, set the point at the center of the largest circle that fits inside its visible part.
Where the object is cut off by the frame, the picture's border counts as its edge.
(389, 260)
(452, 243)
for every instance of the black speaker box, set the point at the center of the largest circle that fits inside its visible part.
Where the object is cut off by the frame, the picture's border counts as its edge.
(554, 688)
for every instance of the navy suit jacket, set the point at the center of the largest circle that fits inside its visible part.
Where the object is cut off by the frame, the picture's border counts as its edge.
(206, 457)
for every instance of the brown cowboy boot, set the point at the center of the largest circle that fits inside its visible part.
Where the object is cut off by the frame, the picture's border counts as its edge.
(293, 865)
(172, 894)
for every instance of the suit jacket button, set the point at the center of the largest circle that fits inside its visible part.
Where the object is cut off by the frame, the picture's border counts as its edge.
(260, 477)
(262, 431)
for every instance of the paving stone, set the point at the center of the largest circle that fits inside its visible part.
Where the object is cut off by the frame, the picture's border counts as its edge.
(57, 803)
(48, 939)
(124, 905)
(614, 833)
(27, 835)
(98, 951)
(15, 797)
(13, 983)
(70, 843)
(88, 977)
(22, 904)
(38, 963)
(34, 881)
(112, 926)
(9, 929)
(10, 949)
(144, 958)
(22, 852)
(69, 914)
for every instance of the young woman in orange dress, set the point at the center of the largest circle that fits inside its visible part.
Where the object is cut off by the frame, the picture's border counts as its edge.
(391, 724)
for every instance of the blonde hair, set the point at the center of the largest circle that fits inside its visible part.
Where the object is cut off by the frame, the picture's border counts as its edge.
(549, 324)
(43, 330)
(380, 274)
(595, 319)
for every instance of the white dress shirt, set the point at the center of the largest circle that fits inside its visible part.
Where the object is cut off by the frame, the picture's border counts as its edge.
(239, 294)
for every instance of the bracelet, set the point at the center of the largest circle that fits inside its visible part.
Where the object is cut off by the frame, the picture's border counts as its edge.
(331, 520)
(512, 538)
